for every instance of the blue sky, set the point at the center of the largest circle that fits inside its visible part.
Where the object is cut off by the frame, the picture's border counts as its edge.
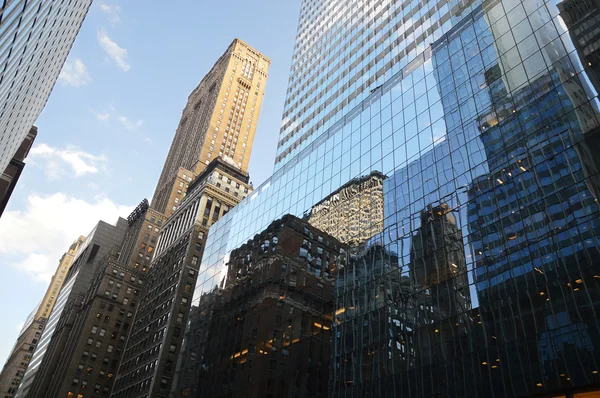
(107, 127)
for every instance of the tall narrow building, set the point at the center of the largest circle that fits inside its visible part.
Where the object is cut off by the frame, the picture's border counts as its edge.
(219, 120)
(30, 334)
(35, 40)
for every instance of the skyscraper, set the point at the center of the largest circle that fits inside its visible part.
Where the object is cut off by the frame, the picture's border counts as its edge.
(219, 120)
(30, 334)
(35, 39)
(483, 279)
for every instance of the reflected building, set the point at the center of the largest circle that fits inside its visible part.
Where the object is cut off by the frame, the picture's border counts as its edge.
(438, 264)
(532, 222)
(354, 212)
(270, 328)
(581, 18)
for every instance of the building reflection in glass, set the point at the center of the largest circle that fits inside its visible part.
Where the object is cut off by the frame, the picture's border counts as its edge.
(270, 329)
(473, 269)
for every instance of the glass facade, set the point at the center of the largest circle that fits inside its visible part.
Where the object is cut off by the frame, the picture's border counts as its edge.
(463, 178)
(35, 39)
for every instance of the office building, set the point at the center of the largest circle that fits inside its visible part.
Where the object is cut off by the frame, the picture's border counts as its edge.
(30, 333)
(482, 117)
(94, 331)
(10, 176)
(151, 353)
(19, 358)
(219, 120)
(35, 40)
(86, 261)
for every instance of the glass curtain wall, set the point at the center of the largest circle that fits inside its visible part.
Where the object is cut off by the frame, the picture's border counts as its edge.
(472, 266)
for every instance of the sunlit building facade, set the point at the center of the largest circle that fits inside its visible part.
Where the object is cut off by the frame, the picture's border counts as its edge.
(219, 120)
(481, 119)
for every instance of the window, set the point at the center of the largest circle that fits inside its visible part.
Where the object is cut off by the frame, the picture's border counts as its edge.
(180, 317)
(184, 301)
(172, 348)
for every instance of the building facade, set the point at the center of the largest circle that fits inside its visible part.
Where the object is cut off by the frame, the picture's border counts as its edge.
(20, 356)
(30, 334)
(482, 279)
(152, 350)
(35, 40)
(100, 241)
(219, 120)
(85, 350)
(10, 176)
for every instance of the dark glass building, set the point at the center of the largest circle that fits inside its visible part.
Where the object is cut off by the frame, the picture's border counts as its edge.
(452, 147)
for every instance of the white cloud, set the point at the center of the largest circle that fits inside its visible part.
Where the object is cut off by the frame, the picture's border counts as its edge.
(112, 12)
(130, 125)
(74, 73)
(113, 113)
(54, 160)
(102, 116)
(113, 50)
(49, 225)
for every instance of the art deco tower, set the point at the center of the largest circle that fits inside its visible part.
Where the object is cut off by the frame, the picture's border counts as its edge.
(219, 120)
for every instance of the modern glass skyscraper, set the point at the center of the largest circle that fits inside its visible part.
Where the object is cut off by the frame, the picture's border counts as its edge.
(476, 271)
(35, 39)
